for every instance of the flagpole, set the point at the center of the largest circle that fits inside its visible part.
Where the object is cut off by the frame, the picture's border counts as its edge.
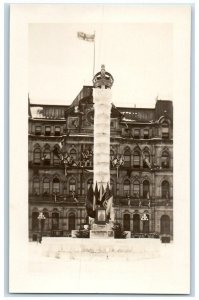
(94, 56)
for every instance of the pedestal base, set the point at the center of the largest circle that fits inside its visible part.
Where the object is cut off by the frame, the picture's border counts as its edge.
(101, 232)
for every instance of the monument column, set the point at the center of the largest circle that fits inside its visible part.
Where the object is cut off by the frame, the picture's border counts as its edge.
(102, 96)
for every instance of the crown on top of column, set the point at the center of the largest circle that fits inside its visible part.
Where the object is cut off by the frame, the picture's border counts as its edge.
(103, 79)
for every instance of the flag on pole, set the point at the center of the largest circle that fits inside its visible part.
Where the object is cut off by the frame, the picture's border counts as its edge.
(107, 199)
(96, 196)
(86, 37)
(101, 192)
(89, 202)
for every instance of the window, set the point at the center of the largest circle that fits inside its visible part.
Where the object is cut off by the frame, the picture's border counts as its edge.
(56, 186)
(126, 187)
(136, 159)
(36, 186)
(47, 130)
(146, 133)
(46, 186)
(127, 158)
(165, 189)
(57, 130)
(112, 123)
(46, 156)
(72, 186)
(165, 130)
(38, 130)
(146, 159)
(126, 131)
(73, 154)
(56, 158)
(136, 189)
(136, 133)
(37, 156)
(165, 160)
(146, 189)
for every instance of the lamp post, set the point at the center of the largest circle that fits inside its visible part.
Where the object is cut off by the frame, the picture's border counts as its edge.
(144, 218)
(41, 218)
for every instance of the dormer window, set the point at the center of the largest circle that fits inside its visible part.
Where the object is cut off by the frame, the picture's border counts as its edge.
(57, 130)
(47, 130)
(146, 133)
(136, 133)
(37, 130)
(165, 130)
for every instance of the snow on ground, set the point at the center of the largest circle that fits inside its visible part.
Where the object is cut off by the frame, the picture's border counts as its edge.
(66, 265)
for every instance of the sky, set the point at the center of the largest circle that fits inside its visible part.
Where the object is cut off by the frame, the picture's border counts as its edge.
(138, 55)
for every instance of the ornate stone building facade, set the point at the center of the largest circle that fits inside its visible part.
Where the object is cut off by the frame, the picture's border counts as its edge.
(141, 163)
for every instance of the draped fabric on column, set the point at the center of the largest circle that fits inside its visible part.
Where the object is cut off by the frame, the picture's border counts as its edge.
(102, 105)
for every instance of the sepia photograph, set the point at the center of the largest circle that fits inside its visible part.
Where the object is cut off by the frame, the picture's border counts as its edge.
(99, 193)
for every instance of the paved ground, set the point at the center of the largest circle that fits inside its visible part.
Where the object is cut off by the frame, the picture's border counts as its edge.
(61, 265)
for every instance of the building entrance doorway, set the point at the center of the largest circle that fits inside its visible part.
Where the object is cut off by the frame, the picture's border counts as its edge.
(126, 222)
(71, 221)
(146, 225)
(136, 223)
(165, 224)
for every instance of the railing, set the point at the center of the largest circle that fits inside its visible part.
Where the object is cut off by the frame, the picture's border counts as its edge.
(142, 202)
(58, 199)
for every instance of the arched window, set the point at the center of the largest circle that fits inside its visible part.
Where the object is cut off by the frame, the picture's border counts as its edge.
(72, 185)
(126, 222)
(46, 186)
(136, 159)
(36, 186)
(146, 159)
(165, 160)
(37, 156)
(136, 188)
(127, 186)
(71, 221)
(165, 224)
(56, 155)
(165, 189)
(56, 185)
(73, 154)
(46, 156)
(127, 158)
(35, 221)
(165, 130)
(55, 221)
(146, 189)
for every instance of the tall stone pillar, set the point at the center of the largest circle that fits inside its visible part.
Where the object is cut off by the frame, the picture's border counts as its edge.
(102, 82)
